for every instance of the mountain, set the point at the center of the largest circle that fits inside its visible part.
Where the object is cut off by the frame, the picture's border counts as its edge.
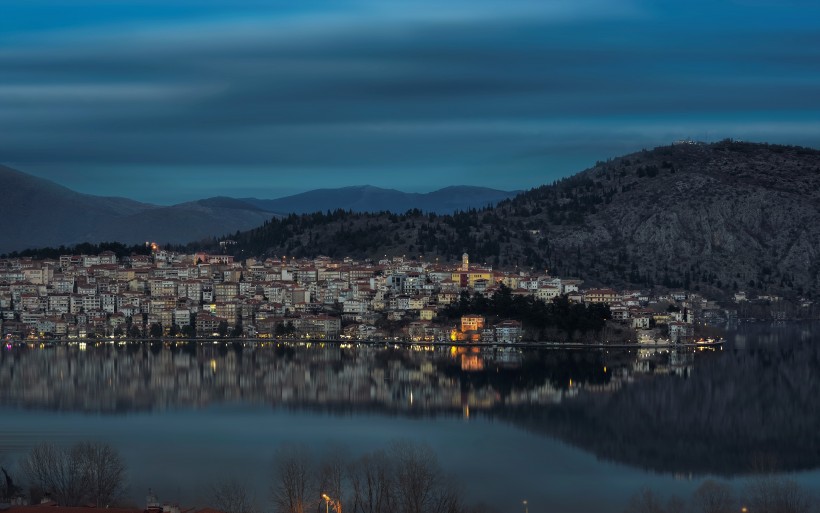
(711, 217)
(374, 199)
(35, 212)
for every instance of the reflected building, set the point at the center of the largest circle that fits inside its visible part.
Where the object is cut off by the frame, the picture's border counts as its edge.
(714, 411)
(136, 377)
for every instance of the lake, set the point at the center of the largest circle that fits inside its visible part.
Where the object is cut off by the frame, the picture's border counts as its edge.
(566, 430)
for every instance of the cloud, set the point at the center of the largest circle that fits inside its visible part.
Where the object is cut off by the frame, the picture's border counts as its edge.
(379, 89)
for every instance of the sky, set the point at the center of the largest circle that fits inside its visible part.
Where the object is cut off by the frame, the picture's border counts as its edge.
(172, 100)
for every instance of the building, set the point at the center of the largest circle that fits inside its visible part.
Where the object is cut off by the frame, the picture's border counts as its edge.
(472, 323)
(508, 332)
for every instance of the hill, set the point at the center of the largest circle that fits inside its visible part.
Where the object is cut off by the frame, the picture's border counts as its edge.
(374, 199)
(711, 217)
(37, 212)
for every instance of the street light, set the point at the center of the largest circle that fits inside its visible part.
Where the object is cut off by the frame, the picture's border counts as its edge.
(337, 505)
(526, 507)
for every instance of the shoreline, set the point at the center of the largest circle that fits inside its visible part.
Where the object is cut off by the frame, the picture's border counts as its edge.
(375, 343)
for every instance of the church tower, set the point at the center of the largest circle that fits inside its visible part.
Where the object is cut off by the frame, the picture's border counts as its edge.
(465, 262)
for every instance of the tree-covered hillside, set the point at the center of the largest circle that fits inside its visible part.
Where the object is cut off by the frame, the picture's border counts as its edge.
(718, 217)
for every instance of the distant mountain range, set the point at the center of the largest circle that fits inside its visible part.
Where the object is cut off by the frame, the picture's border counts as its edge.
(36, 213)
(366, 198)
(711, 217)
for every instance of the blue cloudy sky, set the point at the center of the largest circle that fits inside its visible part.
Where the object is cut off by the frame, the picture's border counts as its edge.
(171, 100)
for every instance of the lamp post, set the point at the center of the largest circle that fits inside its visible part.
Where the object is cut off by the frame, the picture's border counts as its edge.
(526, 506)
(337, 505)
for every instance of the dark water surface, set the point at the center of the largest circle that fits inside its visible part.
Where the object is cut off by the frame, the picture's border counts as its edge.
(570, 431)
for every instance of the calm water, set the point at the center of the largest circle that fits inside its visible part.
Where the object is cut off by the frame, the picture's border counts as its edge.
(567, 430)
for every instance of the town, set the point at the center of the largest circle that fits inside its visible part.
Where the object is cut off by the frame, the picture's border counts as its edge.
(168, 294)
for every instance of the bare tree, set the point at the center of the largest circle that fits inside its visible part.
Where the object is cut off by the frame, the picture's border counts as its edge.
(419, 482)
(371, 478)
(645, 501)
(771, 494)
(57, 472)
(292, 488)
(333, 474)
(86, 472)
(232, 496)
(675, 505)
(714, 497)
(103, 472)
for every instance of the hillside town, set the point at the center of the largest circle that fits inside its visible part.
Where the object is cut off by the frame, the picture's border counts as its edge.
(167, 294)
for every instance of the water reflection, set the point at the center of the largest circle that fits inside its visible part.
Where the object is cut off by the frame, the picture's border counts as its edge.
(106, 378)
(752, 410)
(670, 411)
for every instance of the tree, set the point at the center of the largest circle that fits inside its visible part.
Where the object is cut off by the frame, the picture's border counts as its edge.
(644, 501)
(372, 483)
(222, 328)
(714, 497)
(232, 496)
(333, 474)
(676, 505)
(189, 331)
(292, 490)
(155, 331)
(103, 471)
(54, 471)
(86, 472)
(777, 495)
(419, 483)
(134, 331)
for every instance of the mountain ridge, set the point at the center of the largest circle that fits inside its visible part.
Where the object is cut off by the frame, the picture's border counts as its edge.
(368, 198)
(717, 218)
(73, 217)
(36, 212)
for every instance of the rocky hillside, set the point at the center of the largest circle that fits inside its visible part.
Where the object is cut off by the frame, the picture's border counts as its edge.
(710, 217)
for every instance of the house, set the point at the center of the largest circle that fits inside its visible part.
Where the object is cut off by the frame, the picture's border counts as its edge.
(680, 331)
(548, 292)
(472, 323)
(508, 332)
(641, 320)
(619, 312)
(206, 323)
(600, 296)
